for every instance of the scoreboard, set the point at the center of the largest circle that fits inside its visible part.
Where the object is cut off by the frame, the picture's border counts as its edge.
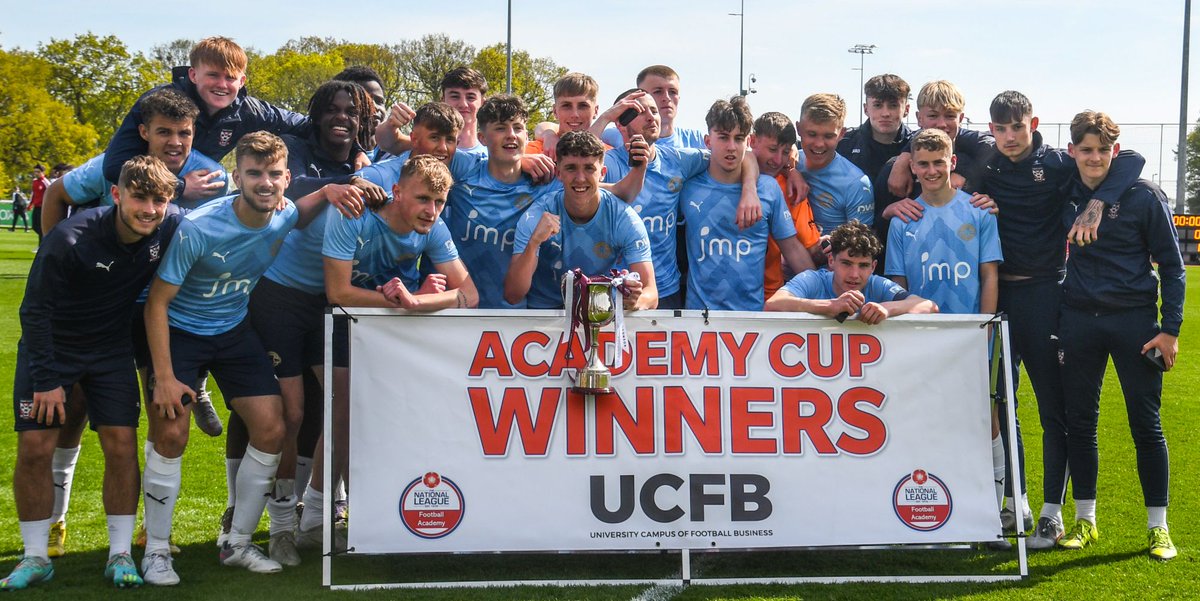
(1187, 229)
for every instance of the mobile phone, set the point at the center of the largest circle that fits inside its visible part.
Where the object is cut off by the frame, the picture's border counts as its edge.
(1154, 357)
(627, 117)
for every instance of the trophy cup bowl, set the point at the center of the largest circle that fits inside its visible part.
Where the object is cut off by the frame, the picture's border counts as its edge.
(598, 312)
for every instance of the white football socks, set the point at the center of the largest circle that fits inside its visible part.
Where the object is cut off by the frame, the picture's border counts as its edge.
(281, 507)
(1156, 517)
(254, 478)
(1085, 509)
(160, 481)
(35, 535)
(314, 509)
(63, 466)
(120, 534)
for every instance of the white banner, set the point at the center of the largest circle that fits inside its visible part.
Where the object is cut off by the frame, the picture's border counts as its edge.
(732, 431)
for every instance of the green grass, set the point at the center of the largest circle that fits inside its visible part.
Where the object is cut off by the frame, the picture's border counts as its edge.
(1117, 567)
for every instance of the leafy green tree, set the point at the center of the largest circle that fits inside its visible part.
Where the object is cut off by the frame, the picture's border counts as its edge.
(34, 126)
(99, 78)
(288, 78)
(533, 78)
(425, 61)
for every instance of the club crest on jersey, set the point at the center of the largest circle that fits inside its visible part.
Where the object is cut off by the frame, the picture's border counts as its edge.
(226, 136)
(25, 408)
(602, 250)
(1039, 174)
(1113, 210)
(155, 252)
(966, 232)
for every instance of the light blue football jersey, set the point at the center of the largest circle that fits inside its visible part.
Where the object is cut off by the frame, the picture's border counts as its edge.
(941, 252)
(658, 202)
(725, 264)
(216, 261)
(86, 183)
(482, 217)
(817, 284)
(613, 237)
(838, 193)
(379, 253)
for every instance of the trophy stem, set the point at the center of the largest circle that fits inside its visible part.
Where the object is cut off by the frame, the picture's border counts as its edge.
(593, 378)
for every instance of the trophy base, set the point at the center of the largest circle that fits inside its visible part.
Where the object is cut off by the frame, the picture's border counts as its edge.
(586, 390)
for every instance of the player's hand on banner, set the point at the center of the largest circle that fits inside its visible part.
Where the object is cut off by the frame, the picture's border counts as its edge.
(1166, 344)
(396, 293)
(872, 313)
(849, 302)
(547, 227)
(539, 167)
(1086, 228)
(168, 396)
(985, 203)
(201, 184)
(374, 196)
(50, 405)
(433, 284)
(907, 209)
(347, 198)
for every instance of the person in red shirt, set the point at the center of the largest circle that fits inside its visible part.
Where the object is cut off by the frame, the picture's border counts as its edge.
(40, 183)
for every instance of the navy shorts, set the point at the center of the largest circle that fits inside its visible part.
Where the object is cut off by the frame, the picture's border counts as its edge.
(141, 345)
(236, 359)
(291, 325)
(109, 383)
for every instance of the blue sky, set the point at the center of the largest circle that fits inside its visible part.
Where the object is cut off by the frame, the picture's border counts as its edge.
(1121, 57)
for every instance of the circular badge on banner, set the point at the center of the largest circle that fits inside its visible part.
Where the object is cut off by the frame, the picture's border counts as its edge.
(431, 506)
(922, 501)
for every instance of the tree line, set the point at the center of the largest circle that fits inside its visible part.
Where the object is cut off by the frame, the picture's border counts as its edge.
(62, 102)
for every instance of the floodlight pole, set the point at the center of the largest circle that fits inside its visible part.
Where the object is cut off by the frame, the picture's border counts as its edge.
(508, 62)
(741, 15)
(1181, 167)
(862, 50)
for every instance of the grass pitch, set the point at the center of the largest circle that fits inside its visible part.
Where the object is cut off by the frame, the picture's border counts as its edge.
(1115, 568)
